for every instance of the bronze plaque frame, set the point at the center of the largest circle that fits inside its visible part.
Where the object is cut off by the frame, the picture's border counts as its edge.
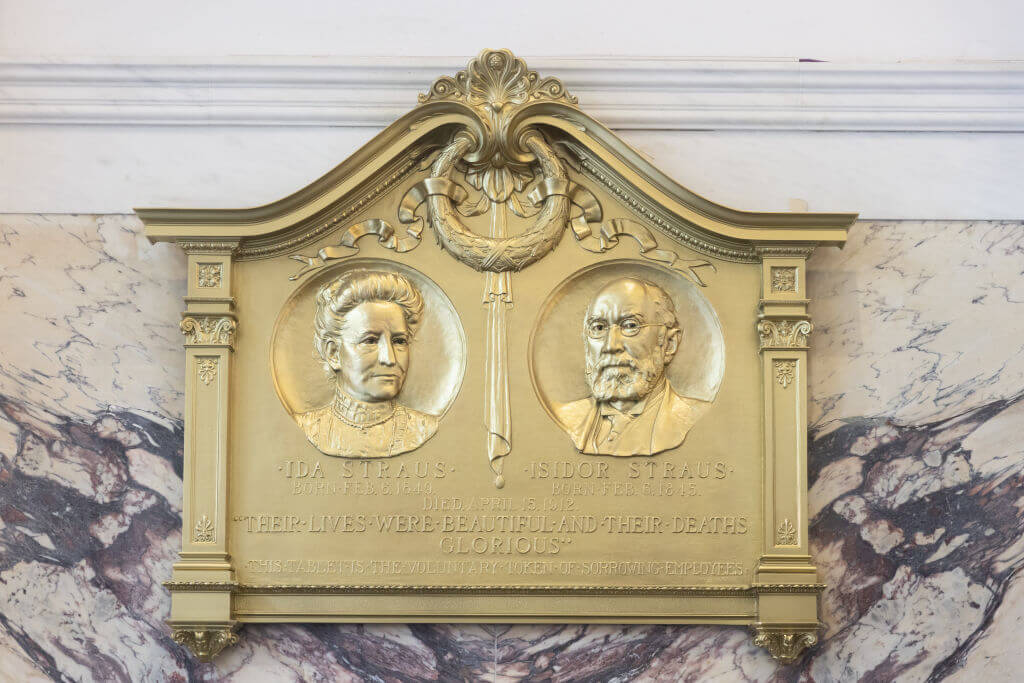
(519, 139)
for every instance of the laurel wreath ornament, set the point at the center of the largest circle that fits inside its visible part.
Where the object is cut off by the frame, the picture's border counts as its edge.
(500, 254)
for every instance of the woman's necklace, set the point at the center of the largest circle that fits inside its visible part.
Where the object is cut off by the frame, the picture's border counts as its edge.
(361, 414)
(362, 426)
(345, 408)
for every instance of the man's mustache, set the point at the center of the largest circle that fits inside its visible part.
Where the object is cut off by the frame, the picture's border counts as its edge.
(617, 362)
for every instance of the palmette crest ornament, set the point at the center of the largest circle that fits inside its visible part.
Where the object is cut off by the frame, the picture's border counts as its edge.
(495, 78)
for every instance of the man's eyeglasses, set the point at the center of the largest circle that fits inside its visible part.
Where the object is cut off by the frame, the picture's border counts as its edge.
(628, 327)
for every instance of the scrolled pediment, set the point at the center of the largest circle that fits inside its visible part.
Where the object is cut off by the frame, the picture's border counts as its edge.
(517, 136)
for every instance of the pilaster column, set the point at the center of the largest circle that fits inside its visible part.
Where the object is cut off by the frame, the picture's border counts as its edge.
(786, 581)
(203, 578)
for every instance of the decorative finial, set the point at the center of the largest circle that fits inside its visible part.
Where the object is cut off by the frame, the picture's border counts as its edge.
(495, 79)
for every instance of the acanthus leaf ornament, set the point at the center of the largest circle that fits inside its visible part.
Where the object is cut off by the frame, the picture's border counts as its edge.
(205, 642)
(785, 645)
(784, 333)
(208, 330)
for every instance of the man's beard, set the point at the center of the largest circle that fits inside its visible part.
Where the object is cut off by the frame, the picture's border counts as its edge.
(622, 378)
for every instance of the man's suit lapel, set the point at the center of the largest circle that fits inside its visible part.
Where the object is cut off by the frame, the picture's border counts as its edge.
(583, 438)
(663, 421)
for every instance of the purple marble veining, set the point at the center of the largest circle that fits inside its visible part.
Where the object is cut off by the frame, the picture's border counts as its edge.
(916, 473)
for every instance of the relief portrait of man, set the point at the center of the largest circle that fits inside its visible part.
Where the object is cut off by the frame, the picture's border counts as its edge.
(364, 330)
(631, 335)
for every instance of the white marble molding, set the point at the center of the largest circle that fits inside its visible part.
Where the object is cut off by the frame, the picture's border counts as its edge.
(628, 94)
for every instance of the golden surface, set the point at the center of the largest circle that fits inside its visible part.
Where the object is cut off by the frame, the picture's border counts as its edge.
(583, 399)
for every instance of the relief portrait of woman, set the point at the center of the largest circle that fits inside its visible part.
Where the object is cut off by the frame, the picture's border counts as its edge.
(364, 330)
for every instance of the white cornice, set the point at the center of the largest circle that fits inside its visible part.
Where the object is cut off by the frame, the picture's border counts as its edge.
(625, 94)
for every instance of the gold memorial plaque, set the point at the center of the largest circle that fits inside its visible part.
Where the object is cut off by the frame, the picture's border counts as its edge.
(495, 367)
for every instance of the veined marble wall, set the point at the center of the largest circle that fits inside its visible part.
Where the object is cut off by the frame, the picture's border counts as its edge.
(916, 468)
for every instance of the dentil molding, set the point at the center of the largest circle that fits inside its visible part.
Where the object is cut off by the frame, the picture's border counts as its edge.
(656, 94)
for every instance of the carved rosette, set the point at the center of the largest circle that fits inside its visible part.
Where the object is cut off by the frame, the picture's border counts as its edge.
(206, 642)
(785, 644)
(784, 334)
(208, 275)
(208, 330)
(783, 279)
